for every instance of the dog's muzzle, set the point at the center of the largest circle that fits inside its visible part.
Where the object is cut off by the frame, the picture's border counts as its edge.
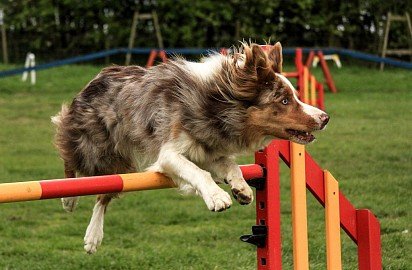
(324, 118)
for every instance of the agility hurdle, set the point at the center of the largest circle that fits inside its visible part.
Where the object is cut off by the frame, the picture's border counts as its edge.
(325, 69)
(359, 224)
(82, 186)
(310, 89)
(156, 54)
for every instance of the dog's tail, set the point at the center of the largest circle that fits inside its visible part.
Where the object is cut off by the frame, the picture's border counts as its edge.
(57, 119)
(62, 138)
(69, 203)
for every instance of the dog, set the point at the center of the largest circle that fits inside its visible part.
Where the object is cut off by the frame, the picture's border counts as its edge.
(184, 119)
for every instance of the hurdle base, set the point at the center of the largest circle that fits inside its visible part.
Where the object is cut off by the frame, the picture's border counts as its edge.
(258, 236)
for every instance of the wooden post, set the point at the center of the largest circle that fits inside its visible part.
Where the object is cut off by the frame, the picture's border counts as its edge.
(163, 56)
(309, 61)
(132, 37)
(268, 209)
(326, 73)
(299, 69)
(3, 38)
(145, 16)
(369, 240)
(152, 57)
(157, 29)
(399, 51)
(237, 31)
(320, 99)
(385, 39)
(313, 91)
(299, 211)
(106, 42)
(408, 21)
(305, 94)
(332, 220)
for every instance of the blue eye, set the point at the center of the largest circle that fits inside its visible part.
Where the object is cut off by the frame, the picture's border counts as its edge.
(285, 101)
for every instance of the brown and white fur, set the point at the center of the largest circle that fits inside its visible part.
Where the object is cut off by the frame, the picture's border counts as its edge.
(184, 119)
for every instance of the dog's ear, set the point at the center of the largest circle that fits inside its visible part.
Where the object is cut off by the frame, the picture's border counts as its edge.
(256, 59)
(275, 55)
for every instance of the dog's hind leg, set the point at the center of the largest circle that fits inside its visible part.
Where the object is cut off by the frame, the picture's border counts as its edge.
(94, 232)
(69, 203)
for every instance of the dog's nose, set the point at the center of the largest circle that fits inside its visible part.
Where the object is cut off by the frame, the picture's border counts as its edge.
(324, 118)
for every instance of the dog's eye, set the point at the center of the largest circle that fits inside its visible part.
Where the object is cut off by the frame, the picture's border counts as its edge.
(285, 101)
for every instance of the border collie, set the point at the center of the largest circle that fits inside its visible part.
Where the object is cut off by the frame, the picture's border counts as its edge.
(184, 119)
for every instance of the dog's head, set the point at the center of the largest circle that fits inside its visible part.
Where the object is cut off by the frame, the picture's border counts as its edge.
(274, 108)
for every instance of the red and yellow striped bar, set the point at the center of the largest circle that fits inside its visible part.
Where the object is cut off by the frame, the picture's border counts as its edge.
(313, 91)
(299, 211)
(20, 191)
(81, 186)
(305, 85)
(332, 215)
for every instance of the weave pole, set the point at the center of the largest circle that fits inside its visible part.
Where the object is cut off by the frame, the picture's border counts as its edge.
(81, 186)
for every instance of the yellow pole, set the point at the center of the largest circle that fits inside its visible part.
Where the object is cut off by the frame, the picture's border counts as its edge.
(21, 191)
(151, 180)
(305, 85)
(299, 211)
(313, 91)
(333, 243)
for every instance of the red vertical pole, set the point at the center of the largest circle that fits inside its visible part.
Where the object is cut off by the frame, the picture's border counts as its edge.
(369, 240)
(162, 55)
(310, 59)
(299, 68)
(269, 257)
(326, 73)
(151, 59)
(321, 98)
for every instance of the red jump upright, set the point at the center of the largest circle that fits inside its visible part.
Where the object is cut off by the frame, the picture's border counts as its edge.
(156, 54)
(359, 224)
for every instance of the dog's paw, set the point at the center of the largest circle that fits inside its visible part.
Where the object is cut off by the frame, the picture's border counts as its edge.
(242, 193)
(92, 240)
(69, 203)
(218, 200)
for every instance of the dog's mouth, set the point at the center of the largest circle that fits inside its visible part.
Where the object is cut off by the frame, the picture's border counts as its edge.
(299, 136)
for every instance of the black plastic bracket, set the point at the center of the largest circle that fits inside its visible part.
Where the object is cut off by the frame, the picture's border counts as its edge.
(258, 236)
(257, 183)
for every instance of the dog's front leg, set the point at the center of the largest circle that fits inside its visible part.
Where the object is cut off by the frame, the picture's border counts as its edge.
(226, 168)
(173, 163)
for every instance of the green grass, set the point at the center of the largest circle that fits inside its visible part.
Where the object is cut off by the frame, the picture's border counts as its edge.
(367, 147)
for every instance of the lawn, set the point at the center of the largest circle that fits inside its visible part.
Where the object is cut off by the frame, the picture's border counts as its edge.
(367, 147)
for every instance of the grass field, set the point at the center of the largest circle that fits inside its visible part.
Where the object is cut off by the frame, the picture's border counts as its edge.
(367, 147)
